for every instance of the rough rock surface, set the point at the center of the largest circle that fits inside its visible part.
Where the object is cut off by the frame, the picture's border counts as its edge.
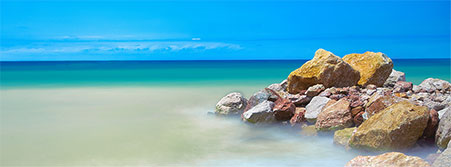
(335, 115)
(444, 159)
(257, 98)
(315, 90)
(377, 103)
(298, 116)
(443, 111)
(402, 86)
(396, 127)
(233, 103)
(283, 109)
(341, 137)
(261, 113)
(374, 68)
(325, 68)
(432, 84)
(394, 77)
(432, 125)
(315, 107)
(391, 159)
(443, 135)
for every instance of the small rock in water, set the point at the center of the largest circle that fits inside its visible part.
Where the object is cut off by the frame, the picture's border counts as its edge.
(315, 107)
(283, 109)
(257, 98)
(261, 113)
(298, 116)
(391, 159)
(394, 77)
(233, 103)
(341, 137)
(335, 115)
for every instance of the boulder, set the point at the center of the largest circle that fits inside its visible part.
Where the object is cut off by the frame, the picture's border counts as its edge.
(261, 113)
(390, 159)
(257, 98)
(396, 127)
(283, 109)
(298, 116)
(341, 137)
(315, 107)
(432, 84)
(443, 135)
(315, 90)
(394, 77)
(335, 115)
(231, 104)
(444, 159)
(374, 68)
(325, 68)
(379, 102)
(432, 125)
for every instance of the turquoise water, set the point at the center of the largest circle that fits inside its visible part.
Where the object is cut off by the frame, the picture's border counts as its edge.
(181, 73)
(155, 114)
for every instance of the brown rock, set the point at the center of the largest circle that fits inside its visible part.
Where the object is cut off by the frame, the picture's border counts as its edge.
(298, 116)
(378, 103)
(432, 125)
(391, 159)
(325, 68)
(335, 115)
(374, 68)
(402, 86)
(283, 108)
(358, 119)
(356, 110)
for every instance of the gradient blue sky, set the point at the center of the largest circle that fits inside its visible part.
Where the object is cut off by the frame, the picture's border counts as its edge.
(212, 30)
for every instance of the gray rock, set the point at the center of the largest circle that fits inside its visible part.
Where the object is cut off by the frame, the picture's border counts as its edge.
(257, 98)
(315, 107)
(432, 84)
(416, 88)
(433, 105)
(443, 111)
(261, 113)
(444, 159)
(298, 100)
(276, 87)
(394, 77)
(443, 134)
(233, 103)
(284, 84)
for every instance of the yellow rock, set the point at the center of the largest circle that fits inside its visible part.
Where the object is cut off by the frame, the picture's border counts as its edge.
(341, 137)
(325, 68)
(374, 68)
(391, 159)
(396, 127)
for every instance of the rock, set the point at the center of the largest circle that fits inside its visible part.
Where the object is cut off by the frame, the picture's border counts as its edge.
(443, 111)
(402, 86)
(283, 109)
(315, 90)
(431, 84)
(358, 119)
(432, 125)
(379, 102)
(314, 108)
(275, 87)
(433, 104)
(325, 68)
(356, 110)
(309, 130)
(298, 116)
(337, 96)
(443, 135)
(256, 99)
(335, 115)
(396, 127)
(261, 113)
(233, 103)
(298, 100)
(374, 68)
(416, 89)
(390, 159)
(444, 159)
(341, 137)
(394, 77)
(371, 87)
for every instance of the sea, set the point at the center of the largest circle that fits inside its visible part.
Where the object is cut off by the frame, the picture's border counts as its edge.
(155, 113)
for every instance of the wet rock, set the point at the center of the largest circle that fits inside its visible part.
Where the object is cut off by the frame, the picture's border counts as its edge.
(261, 113)
(394, 77)
(391, 159)
(443, 135)
(298, 116)
(325, 68)
(231, 104)
(444, 159)
(335, 115)
(315, 107)
(396, 127)
(315, 90)
(431, 84)
(341, 137)
(402, 86)
(432, 125)
(374, 68)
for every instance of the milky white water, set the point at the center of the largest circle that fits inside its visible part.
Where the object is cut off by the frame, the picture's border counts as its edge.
(148, 126)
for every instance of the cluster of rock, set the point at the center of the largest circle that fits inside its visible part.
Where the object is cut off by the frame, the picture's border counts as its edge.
(369, 105)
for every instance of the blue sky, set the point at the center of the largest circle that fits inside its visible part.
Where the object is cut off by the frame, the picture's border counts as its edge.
(219, 30)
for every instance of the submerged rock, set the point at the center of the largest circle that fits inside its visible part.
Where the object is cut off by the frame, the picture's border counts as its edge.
(335, 115)
(374, 68)
(396, 127)
(443, 135)
(394, 77)
(261, 113)
(391, 159)
(341, 137)
(315, 107)
(325, 68)
(233, 103)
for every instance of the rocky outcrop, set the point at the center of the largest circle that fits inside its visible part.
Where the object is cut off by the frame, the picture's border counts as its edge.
(432, 84)
(315, 107)
(444, 159)
(391, 159)
(341, 137)
(374, 68)
(231, 104)
(261, 113)
(394, 77)
(325, 68)
(396, 127)
(335, 115)
(443, 135)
